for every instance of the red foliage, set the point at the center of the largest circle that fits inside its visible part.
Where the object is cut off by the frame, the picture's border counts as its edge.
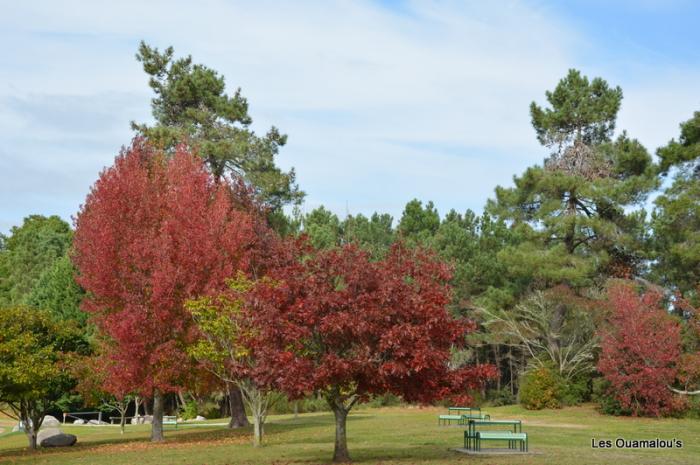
(155, 231)
(640, 350)
(343, 325)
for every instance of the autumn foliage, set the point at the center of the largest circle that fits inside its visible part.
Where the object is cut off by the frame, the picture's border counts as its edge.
(639, 352)
(348, 327)
(155, 231)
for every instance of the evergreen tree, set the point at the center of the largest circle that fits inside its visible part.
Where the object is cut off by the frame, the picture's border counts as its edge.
(191, 104)
(676, 218)
(30, 250)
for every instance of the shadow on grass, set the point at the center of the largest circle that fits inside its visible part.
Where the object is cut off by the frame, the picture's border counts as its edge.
(186, 435)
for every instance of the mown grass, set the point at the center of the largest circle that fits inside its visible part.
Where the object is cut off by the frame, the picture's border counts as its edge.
(396, 435)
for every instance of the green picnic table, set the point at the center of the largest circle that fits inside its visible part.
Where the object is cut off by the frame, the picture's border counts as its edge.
(470, 434)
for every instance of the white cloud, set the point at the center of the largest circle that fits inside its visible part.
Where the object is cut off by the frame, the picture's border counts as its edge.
(381, 105)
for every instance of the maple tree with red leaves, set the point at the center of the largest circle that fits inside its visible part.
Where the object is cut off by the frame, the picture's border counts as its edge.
(639, 351)
(156, 230)
(348, 327)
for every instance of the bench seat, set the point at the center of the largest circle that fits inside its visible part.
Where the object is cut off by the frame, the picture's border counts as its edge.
(509, 436)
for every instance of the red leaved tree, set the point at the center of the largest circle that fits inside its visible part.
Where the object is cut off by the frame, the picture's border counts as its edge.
(347, 327)
(155, 231)
(639, 351)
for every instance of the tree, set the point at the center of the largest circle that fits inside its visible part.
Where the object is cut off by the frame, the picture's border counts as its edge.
(639, 351)
(348, 327)
(34, 354)
(676, 218)
(57, 292)
(226, 348)
(191, 104)
(30, 250)
(418, 224)
(532, 326)
(374, 234)
(155, 231)
(323, 228)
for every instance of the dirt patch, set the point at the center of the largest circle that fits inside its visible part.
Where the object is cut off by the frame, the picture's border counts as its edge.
(553, 425)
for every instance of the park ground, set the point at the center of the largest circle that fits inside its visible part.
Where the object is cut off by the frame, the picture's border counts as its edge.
(395, 435)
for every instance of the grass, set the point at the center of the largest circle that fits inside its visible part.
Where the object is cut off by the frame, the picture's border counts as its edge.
(396, 435)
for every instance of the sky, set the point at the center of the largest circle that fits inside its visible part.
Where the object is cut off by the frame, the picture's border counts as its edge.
(383, 101)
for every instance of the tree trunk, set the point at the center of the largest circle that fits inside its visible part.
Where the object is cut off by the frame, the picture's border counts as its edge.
(296, 409)
(497, 360)
(145, 407)
(122, 420)
(257, 430)
(31, 435)
(340, 452)
(157, 426)
(235, 399)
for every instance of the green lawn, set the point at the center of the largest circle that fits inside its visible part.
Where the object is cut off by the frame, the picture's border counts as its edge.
(386, 436)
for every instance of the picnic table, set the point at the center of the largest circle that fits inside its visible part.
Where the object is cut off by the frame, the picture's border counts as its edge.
(472, 437)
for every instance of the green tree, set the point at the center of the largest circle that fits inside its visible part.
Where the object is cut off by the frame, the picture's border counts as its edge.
(323, 228)
(57, 292)
(676, 218)
(30, 250)
(576, 220)
(418, 224)
(191, 104)
(574, 213)
(374, 234)
(34, 351)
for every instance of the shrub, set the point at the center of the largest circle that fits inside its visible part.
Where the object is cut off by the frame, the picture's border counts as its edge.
(189, 410)
(576, 390)
(541, 388)
(498, 397)
(639, 352)
(607, 403)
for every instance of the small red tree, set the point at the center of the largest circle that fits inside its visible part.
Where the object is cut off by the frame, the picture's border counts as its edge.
(639, 351)
(346, 327)
(155, 231)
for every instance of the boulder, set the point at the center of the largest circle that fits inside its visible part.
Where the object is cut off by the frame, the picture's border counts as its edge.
(199, 418)
(97, 422)
(59, 440)
(17, 428)
(47, 433)
(79, 421)
(50, 421)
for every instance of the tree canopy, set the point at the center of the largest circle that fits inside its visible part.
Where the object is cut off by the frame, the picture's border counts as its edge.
(191, 105)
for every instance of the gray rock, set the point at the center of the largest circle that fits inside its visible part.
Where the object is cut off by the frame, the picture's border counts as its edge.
(59, 440)
(97, 422)
(17, 428)
(50, 421)
(79, 421)
(47, 433)
(148, 419)
(199, 418)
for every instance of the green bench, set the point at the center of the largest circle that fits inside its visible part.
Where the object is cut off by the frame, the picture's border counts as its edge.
(470, 433)
(509, 436)
(448, 419)
(170, 420)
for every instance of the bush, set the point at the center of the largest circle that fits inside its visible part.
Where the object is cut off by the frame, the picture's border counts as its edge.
(189, 410)
(498, 397)
(576, 390)
(607, 403)
(541, 388)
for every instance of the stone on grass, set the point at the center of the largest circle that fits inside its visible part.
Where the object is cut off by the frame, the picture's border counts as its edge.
(59, 440)
(50, 421)
(79, 421)
(97, 422)
(199, 418)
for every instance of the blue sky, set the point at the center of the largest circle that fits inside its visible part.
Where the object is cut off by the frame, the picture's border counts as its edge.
(382, 101)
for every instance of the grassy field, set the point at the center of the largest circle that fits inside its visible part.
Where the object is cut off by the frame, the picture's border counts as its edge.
(386, 436)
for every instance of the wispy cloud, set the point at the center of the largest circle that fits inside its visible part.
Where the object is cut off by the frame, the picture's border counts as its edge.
(383, 102)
